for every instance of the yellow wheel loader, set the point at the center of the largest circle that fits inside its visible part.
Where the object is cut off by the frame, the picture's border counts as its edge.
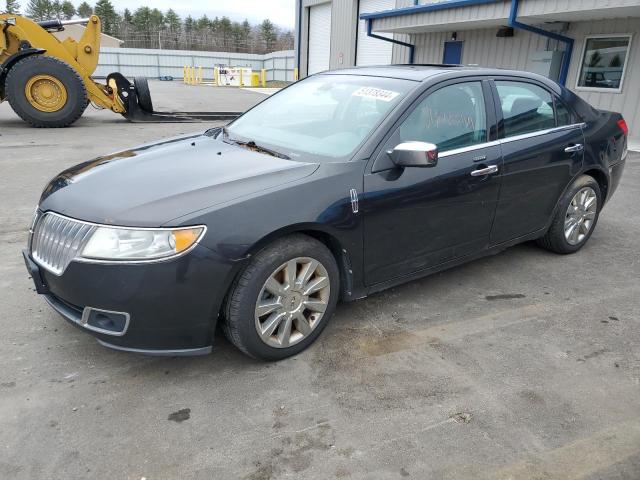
(48, 82)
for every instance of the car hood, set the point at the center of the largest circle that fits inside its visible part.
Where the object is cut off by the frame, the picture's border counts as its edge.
(153, 184)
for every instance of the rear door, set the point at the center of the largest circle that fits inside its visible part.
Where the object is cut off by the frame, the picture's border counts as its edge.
(416, 218)
(542, 150)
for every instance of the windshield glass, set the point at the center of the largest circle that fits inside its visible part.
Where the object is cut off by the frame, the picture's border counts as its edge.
(323, 115)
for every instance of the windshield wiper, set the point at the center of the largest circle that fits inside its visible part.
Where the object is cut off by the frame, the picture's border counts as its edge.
(251, 145)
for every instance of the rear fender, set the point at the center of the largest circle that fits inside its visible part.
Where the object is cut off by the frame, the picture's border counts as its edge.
(12, 60)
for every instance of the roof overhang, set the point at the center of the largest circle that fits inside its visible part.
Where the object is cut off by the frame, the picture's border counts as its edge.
(449, 15)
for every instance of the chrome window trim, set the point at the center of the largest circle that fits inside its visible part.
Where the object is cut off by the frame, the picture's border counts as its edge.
(84, 321)
(470, 148)
(539, 133)
(81, 259)
(515, 138)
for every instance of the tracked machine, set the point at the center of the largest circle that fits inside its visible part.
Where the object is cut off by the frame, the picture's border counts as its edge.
(48, 82)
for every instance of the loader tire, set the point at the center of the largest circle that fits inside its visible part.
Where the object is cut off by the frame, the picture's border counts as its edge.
(46, 92)
(144, 94)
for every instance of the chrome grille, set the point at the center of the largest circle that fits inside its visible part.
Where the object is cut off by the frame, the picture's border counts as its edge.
(57, 240)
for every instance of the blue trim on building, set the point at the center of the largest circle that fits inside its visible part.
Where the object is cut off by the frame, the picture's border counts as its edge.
(392, 40)
(433, 7)
(445, 5)
(566, 58)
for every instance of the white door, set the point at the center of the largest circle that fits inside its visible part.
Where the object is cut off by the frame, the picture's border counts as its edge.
(319, 37)
(372, 51)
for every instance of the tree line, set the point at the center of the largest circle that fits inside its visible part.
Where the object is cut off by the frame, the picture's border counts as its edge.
(148, 27)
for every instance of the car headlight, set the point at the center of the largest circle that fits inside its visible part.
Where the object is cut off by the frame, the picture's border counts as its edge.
(117, 243)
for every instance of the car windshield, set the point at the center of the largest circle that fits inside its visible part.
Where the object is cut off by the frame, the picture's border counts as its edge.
(323, 115)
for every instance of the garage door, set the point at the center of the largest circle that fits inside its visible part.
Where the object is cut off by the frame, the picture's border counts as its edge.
(371, 51)
(319, 37)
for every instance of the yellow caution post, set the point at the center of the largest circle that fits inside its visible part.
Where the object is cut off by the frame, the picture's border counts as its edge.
(263, 77)
(295, 74)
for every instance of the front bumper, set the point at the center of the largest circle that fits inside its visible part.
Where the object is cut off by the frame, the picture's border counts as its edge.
(171, 307)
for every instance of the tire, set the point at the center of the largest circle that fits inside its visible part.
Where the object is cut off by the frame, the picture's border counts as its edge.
(242, 318)
(144, 94)
(61, 73)
(556, 239)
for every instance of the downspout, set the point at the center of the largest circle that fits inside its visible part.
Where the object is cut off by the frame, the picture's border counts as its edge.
(392, 40)
(566, 58)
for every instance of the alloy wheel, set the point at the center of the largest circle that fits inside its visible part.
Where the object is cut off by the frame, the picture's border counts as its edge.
(580, 215)
(292, 302)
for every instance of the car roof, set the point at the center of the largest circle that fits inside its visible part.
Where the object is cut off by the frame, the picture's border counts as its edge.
(422, 72)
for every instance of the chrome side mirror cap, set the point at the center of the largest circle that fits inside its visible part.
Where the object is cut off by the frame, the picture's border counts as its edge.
(414, 154)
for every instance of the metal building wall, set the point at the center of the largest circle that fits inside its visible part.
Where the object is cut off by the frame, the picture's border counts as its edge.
(439, 19)
(482, 47)
(628, 101)
(400, 53)
(132, 62)
(537, 7)
(302, 40)
(344, 24)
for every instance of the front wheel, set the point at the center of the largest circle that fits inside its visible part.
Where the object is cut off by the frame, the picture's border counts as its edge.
(46, 92)
(283, 299)
(576, 217)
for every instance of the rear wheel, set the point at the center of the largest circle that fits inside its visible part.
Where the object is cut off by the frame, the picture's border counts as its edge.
(144, 94)
(46, 92)
(576, 217)
(283, 299)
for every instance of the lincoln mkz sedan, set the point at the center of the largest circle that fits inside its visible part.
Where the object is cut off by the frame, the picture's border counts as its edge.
(343, 184)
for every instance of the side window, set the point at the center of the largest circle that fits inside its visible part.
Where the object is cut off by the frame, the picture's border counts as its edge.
(452, 117)
(525, 107)
(563, 114)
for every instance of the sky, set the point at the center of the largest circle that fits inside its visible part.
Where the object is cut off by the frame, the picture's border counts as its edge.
(280, 12)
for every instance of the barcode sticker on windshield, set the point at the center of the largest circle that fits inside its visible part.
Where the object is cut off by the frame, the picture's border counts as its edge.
(377, 93)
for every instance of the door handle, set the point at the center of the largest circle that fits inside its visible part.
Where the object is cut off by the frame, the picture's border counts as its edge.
(578, 147)
(485, 171)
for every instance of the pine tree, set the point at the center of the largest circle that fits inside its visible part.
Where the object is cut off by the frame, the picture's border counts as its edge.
(269, 34)
(56, 9)
(189, 24)
(85, 10)
(39, 9)
(68, 10)
(107, 13)
(172, 20)
(126, 16)
(13, 6)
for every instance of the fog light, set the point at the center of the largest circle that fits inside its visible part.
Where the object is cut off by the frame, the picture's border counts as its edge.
(105, 321)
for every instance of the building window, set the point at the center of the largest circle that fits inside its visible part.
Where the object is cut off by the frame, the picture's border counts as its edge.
(603, 62)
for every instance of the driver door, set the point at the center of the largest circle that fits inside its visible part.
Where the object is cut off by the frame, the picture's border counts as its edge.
(420, 217)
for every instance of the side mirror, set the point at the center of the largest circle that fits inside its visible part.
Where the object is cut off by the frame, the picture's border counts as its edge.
(414, 154)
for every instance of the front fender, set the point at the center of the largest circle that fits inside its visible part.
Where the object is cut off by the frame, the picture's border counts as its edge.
(11, 61)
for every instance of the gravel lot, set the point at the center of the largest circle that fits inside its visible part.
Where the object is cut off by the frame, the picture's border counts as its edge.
(524, 365)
